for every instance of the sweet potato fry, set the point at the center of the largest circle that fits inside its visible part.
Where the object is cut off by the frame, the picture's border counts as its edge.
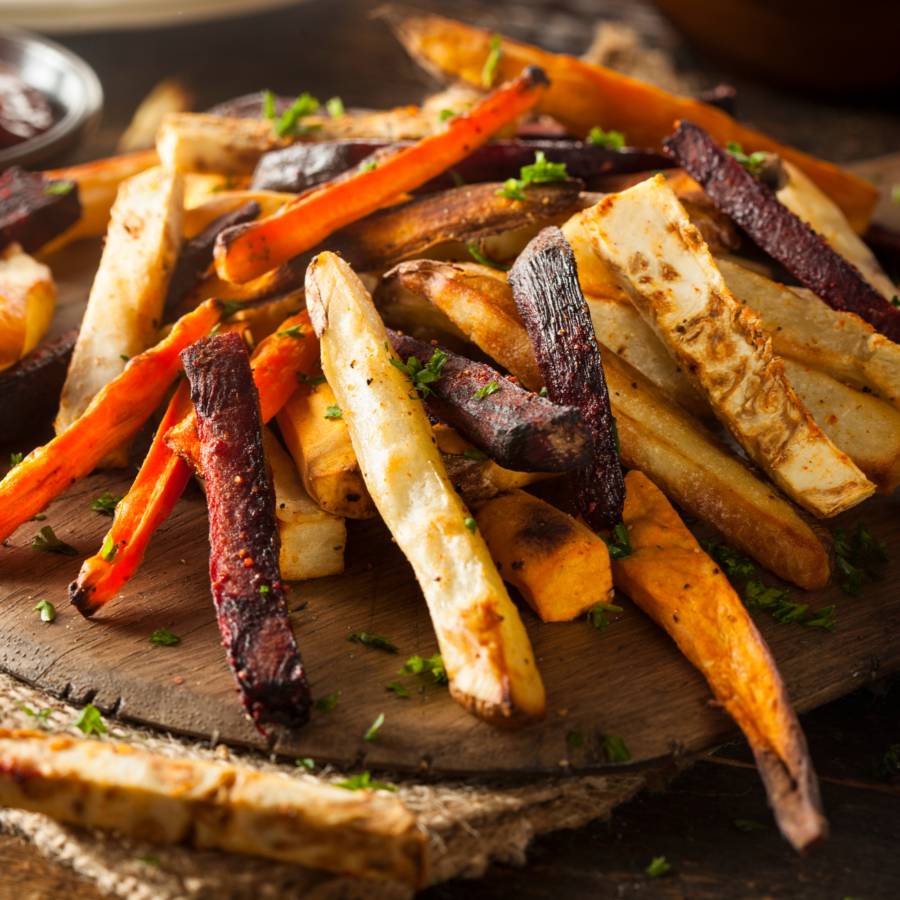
(583, 95)
(152, 496)
(114, 416)
(247, 251)
(685, 592)
(483, 642)
(558, 564)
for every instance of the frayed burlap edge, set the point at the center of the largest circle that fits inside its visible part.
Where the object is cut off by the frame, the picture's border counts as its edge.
(469, 823)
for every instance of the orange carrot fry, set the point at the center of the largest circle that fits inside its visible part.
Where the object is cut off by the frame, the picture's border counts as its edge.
(115, 415)
(159, 484)
(248, 251)
(294, 348)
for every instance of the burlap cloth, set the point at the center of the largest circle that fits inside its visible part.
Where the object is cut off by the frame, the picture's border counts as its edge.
(469, 823)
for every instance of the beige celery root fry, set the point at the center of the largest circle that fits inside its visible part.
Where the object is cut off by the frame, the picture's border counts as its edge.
(483, 642)
(126, 302)
(99, 784)
(645, 237)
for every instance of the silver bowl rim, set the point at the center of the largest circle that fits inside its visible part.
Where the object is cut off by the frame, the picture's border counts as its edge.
(74, 118)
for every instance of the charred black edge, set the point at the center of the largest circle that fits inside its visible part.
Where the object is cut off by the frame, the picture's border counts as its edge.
(516, 428)
(545, 286)
(196, 254)
(778, 231)
(255, 622)
(30, 214)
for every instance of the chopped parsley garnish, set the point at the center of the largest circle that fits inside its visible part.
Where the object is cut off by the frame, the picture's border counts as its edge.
(597, 137)
(658, 866)
(895, 300)
(59, 188)
(615, 422)
(372, 733)
(575, 739)
(851, 554)
(364, 783)
(421, 376)
(333, 412)
(615, 749)
(306, 763)
(447, 114)
(327, 704)
(512, 190)
(732, 563)
(40, 716)
(490, 388)
(372, 640)
(479, 257)
(109, 551)
(229, 185)
(312, 380)
(472, 453)
(125, 358)
(398, 689)
(752, 162)
(370, 166)
(489, 72)
(539, 172)
(230, 307)
(470, 523)
(618, 543)
(457, 178)
(335, 107)
(597, 615)
(268, 103)
(90, 722)
(47, 610)
(748, 825)
(889, 764)
(47, 542)
(264, 589)
(105, 505)
(148, 860)
(15, 459)
(294, 332)
(417, 665)
(165, 637)
(543, 393)
(288, 124)
(39, 517)
(756, 594)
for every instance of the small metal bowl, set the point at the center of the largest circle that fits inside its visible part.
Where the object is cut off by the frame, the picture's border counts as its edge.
(68, 82)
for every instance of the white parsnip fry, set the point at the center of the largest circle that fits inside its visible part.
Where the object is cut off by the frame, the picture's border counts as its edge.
(483, 642)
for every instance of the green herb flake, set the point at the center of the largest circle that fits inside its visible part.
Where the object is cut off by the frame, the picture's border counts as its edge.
(472, 453)
(575, 739)
(125, 358)
(398, 689)
(615, 749)
(372, 640)
(479, 257)
(417, 665)
(333, 412)
(288, 124)
(470, 523)
(776, 601)
(895, 300)
(489, 72)
(597, 615)
(447, 114)
(59, 188)
(543, 393)
(658, 866)
(597, 137)
(90, 722)
(47, 542)
(421, 376)
(264, 589)
(889, 764)
(853, 557)
(512, 190)
(47, 610)
(751, 163)
(41, 716)
(165, 637)
(294, 332)
(457, 179)
(364, 783)
(15, 459)
(335, 107)
(268, 105)
(372, 733)
(618, 543)
(615, 424)
(370, 166)
(490, 388)
(543, 172)
(311, 380)
(733, 564)
(305, 763)
(148, 860)
(748, 825)
(109, 551)
(39, 517)
(327, 704)
(106, 505)
(230, 307)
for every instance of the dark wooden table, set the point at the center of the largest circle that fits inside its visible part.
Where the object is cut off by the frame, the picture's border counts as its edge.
(331, 48)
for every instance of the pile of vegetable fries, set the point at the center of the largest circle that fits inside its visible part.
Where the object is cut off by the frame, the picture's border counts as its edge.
(414, 314)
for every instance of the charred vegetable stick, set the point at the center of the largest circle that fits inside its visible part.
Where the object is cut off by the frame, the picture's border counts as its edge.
(243, 534)
(98, 183)
(545, 286)
(276, 363)
(644, 236)
(583, 95)
(248, 251)
(686, 593)
(483, 642)
(779, 231)
(114, 416)
(559, 565)
(312, 540)
(35, 209)
(211, 806)
(27, 304)
(153, 495)
(516, 428)
(692, 467)
(125, 307)
(320, 445)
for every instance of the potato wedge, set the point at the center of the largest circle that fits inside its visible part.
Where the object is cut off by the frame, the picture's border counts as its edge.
(558, 564)
(126, 303)
(483, 642)
(643, 234)
(686, 593)
(27, 304)
(324, 454)
(211, 806)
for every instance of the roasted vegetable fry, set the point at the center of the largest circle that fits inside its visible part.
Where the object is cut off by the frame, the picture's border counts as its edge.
(583, 95)
(248, 251)
(169, 96)
(321, 447)
(34, 209)
(126, 303)
(153, 495)
(712, 628)
(114, 416)
(243, 534)
(780, 232)
(545, 287)
(27, 304)
(559, 565)
(516, 428)
(692, 467)
(482, 640)
(312, 540)
(644, 236)
(212, 806)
